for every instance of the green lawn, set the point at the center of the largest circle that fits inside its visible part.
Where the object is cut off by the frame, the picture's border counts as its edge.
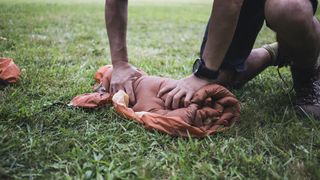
(60, 44)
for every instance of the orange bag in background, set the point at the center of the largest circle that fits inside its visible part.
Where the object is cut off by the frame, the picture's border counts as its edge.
(213, 108)
(9, 71)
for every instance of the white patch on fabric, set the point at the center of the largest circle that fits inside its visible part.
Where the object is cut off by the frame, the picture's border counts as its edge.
(121, 98)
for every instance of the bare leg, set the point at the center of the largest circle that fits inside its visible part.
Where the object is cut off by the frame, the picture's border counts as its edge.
(298, 36)
(258, 60)
(297, 30)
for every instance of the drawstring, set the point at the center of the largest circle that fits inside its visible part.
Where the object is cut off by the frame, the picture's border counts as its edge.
(284, 81)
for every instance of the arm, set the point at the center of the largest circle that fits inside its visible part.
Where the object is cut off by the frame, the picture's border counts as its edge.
(222, 25)
(116, 16)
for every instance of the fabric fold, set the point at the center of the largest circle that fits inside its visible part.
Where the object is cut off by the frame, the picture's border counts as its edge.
(213, 108)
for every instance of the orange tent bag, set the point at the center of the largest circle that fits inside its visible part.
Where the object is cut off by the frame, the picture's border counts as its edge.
(213, 108)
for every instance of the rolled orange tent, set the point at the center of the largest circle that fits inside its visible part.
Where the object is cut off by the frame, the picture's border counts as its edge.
(213, 108)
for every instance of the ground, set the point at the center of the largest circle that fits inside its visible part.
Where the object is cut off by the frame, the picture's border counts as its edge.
(60, 44)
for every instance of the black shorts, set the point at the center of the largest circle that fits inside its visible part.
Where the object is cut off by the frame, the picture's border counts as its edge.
(249, 25)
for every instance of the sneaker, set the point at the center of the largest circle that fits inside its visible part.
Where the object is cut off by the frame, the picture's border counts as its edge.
(307, 87)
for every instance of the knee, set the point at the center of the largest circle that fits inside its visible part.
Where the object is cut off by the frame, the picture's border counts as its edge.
(288, 14)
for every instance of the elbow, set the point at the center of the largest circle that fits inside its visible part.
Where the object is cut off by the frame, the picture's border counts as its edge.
(234, 4)
(110, 2)
(229, 5)
(115, 2)
(115, 7)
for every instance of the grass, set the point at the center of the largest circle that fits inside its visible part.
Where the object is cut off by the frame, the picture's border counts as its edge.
(60, 44)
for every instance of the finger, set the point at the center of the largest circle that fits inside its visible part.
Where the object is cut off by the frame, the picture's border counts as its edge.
(228, 101)
(135, 76)
(176, 99)
(169, 98)
(138, 73)
(129, 91)
(213, 90)
(115, 88)
(187, 100)
(165, 90)
(210, 112)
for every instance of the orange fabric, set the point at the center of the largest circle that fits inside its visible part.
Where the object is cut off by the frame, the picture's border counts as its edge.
(9, 72)
(213, 108)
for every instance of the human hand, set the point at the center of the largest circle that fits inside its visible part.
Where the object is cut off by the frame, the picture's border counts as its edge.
(122, 78)
(184, 88)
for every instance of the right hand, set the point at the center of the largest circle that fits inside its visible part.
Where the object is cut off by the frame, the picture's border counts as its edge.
(122, 78)
(183, 90)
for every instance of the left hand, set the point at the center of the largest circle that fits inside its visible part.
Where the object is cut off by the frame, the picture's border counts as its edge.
(184, 88)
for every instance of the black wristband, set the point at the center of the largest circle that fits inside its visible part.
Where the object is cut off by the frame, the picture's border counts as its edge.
(201, 71)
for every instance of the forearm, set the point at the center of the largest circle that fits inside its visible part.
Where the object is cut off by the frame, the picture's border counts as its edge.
(116, 16)
(222, 25)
